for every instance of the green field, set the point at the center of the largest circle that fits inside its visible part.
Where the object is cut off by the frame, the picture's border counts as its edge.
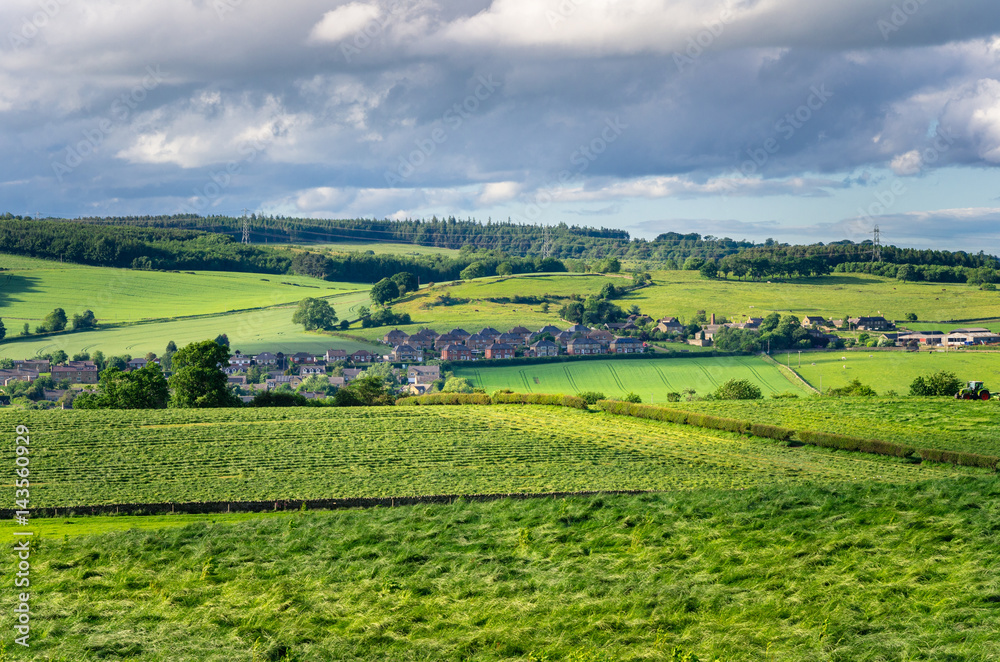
(651, 379)
(681, 293)
(93, 457)
(269, 329)
(30, 289)
(777, 573)
(941, 423)
(894, 370)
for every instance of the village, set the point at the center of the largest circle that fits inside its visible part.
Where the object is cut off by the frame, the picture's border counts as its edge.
(408, 355)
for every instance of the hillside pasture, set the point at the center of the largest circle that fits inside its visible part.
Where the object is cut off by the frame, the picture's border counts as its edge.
(269, 329)
(682, 293)
(31, 288)
(651, 379)
(891, 370)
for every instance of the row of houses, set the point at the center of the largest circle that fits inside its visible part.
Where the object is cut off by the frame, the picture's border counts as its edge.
(490, 343)
(954, 338)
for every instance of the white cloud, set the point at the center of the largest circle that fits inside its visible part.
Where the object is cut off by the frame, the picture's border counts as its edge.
(907, 164)
(344, 21)
(495, 192)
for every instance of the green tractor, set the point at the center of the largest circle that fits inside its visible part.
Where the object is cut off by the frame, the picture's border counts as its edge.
(974, 391)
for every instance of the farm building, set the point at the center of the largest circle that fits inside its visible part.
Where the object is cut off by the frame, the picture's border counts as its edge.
(972, 336)
(922, 337)
(36, 365)
(871, 324)
(77, 372)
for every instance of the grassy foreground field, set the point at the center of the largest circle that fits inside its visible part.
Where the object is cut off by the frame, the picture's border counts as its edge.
(885, 371)
(94, 457)
(651, 379)
(778, 573)
(31, 288)
(269, 329)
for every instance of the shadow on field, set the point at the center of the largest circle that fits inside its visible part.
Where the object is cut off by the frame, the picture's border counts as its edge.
(13, 285)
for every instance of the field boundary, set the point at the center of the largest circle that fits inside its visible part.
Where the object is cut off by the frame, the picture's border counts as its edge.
(275, 505)
(783, 368)
(568, 358)
(808, 437)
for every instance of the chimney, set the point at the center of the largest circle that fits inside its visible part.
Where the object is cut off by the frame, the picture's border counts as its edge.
(713, 318)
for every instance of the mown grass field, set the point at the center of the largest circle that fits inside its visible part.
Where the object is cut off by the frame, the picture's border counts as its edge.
(651, 379)
(269, 329)
(782, 573)
(892, 371)
(31, 288)
(94, 457)
(940, 423)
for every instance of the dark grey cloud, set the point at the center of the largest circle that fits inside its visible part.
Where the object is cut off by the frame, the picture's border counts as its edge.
(310, 103)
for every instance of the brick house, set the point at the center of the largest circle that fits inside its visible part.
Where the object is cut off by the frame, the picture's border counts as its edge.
(871, 324)
(395, 337)
(135, 364)
(363, 356)
(407, 353)
(445, 339)
(490, 334)
(461, 335)
(240, 360)
(265, 359)
(550, 329)
(511, 339)
(581, 346)
(335, 355)
(544, 348)
(626, 346)
(456, 353)
(307, 370)
(521, 331)
(77, 372)
(423, 374)
(303, 358)
(477, 343)
(500, 350)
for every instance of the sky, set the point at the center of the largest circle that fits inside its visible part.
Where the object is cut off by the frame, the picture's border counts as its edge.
(798, 120)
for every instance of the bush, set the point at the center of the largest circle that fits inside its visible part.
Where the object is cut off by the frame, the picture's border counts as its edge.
(963, 459)
(738, 389)
(853, 388)
(540, 399)
(445, 399)
(941, 382)
(591, 397)
(673, 397)
(632, 397)
(278, 399)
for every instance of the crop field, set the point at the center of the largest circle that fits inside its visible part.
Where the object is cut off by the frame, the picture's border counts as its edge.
(940, 423)
(682, 293)
(782, 573)
(93, 457)
(31, 288)
(651, 379)
(269, 329)
(891, 371)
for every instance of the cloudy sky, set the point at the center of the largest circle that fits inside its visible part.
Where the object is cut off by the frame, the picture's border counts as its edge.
(793, 119)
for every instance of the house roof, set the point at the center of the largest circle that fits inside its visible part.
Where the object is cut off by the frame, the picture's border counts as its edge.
(626, 341)
(455, 348)
(520, 329)
(548, 328)
(488, 331)
(544, 343)
(578, 328)
(459, 333)
(498, 346)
